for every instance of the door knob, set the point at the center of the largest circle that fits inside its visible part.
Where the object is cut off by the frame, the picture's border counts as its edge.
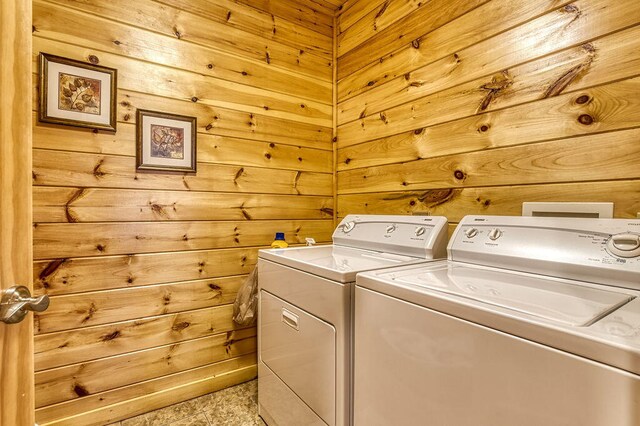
(16, 302)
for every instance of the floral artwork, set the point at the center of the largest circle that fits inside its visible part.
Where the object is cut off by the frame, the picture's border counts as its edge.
(78, 94)
(167, 142)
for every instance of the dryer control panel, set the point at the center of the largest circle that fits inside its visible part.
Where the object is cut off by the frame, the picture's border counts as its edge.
(419, 236)
(605, 251)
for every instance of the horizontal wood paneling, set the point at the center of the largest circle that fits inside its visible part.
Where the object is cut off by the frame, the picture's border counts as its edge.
(83, 344)
(476, 107)
(188, 27)
(73, 204)
(138, 398)
(96, 239)
(402, 33)
(71, 311)
(377, 18)
(597, 157)
(142, 268)
(62, 168)
(73, 381)
(65, 276)
(143, 77)
(211, 148)
(455, 203)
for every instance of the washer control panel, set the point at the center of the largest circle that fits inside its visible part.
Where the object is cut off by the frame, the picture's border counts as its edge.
(598, 250)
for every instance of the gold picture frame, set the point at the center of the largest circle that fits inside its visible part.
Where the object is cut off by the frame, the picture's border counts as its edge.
(166, 142)
(75, 93)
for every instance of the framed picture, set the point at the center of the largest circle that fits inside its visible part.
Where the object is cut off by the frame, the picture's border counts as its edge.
(165, 141)
(76, 93)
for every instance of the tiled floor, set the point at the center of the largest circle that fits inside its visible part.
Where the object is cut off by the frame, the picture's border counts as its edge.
(235, 406)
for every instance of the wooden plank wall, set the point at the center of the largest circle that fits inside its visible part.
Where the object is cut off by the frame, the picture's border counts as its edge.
(458, 107)
(142, 268)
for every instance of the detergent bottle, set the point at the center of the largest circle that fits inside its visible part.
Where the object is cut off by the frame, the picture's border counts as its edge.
(279, 242)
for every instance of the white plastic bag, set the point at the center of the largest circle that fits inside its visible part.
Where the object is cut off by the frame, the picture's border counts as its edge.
(245, 308)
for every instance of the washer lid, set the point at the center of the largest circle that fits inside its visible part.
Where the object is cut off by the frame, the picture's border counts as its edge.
(336, 263)
(562, 301)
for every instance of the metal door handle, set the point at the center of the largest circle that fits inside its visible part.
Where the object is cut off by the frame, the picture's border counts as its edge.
(16, 302)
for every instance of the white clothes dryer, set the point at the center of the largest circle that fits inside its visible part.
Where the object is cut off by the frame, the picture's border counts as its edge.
(530, 321)
(305, 313)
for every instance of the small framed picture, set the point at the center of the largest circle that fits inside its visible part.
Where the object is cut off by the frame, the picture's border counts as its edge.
(165, 141)
(76, 93)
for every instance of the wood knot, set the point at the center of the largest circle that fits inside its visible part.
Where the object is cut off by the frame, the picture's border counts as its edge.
(93, 59)
(244, 73)
(111, 336)
(100, 248)
(300, 159)
(210, 66)
(213, 286)
(484, 128)
(416, 43)
(181, 326)
(268, 156)
(371, 83)
(407, 76)
(126, 117)
(117, 42)
(334, 139)
(412, 203)
(459, 175)
(125, 104)
(33, 29)
(80, 390)
(303, 106)
(272, 145)
(586, 119)
(208, 127)
(582, 99)
(347, 160)
(194, 99)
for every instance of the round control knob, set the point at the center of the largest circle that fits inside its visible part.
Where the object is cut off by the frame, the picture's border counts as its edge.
(348, 227)
(624, 245)
(471, 232)
(420, 230)
(391, 228)
(494, 234)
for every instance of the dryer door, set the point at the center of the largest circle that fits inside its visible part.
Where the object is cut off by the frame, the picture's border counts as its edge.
(301, 350)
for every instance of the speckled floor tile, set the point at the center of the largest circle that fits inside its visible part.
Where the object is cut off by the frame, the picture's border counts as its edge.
(198, 420)
(234, 406)
(164, 416)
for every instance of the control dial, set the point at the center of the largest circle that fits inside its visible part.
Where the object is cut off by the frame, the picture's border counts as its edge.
(471, 232)
(420, 230)
(391, 228)
(624, 245)
(348, 227)
(494, 234)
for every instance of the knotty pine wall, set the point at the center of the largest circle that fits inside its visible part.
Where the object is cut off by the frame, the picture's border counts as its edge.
(142, 268)
(458, 107)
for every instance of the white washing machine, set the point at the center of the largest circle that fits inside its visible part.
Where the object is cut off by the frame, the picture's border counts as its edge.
(305, 321)
(530, 321)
